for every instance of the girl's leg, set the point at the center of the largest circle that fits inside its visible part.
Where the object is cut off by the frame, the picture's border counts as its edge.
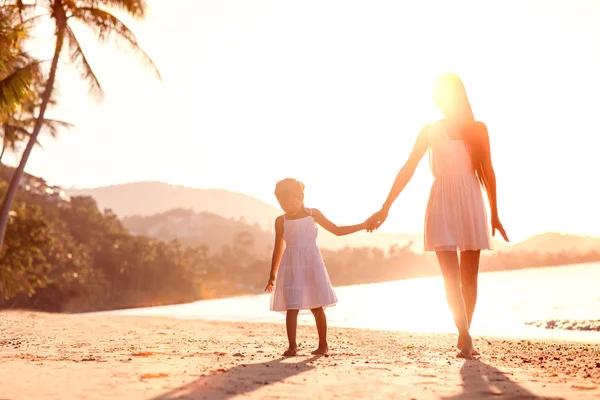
(291, 325)
(451, 272)
(469, 272)
(321, 321)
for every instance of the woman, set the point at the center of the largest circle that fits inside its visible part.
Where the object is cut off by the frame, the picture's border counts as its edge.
(456, 220)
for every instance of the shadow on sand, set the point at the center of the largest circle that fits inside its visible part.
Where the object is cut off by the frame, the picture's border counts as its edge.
(238, 380)
(482, 381)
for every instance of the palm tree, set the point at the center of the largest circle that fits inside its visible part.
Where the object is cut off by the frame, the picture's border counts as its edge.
(18, 70)
(106, 26)
(18, 126)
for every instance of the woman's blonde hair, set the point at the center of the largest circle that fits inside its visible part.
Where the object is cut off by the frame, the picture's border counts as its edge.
(451, 97)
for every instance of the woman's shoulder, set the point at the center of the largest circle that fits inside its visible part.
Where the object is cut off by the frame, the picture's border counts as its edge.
(478, 130)
(433, 125)
(428, 131)
(479, 125)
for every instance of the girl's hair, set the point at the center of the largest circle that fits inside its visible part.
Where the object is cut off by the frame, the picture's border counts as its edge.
(290, 187)
(451, 97)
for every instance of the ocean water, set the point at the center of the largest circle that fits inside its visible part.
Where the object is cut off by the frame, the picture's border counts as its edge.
(507, 301)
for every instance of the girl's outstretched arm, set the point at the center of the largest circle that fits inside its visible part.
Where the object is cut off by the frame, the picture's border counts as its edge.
(277, 252)
(333, 228)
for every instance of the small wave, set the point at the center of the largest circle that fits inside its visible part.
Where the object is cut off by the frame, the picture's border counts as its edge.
(567, 325)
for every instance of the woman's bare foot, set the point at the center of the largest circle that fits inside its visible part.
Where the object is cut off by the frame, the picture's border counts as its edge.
(290, 352)
(459, 346)
(467, 351)
(321, 351)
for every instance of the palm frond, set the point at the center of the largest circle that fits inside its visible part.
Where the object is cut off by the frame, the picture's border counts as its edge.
(53, 126)
(106, 27)
(15, 16)
(81, 63)
(16, 87)
(25, 9)
(135, 8)
(25, 134)
(19, 131)
(11, 136)
(32, 22)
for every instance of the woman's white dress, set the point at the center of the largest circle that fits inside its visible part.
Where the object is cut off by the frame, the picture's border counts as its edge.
(456, 217)
(302, 282)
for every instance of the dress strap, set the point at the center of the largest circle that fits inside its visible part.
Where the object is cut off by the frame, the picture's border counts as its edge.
(434, 132)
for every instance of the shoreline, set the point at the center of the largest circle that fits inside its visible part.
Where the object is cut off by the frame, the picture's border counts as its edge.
(562, 336)
(137, 304)
(53, 356)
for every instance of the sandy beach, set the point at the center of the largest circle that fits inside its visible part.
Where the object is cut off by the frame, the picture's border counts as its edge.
(66, 357)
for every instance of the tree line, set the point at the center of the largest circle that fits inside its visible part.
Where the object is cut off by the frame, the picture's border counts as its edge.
(27, 84)
(69, 256)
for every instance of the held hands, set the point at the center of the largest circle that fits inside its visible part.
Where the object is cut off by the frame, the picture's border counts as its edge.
(497, 226)
(270, 285)
(375, 220)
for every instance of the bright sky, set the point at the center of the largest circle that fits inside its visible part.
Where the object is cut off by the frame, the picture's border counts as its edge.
(334, 93)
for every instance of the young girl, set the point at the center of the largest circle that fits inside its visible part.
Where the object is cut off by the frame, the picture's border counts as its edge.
(302, 280)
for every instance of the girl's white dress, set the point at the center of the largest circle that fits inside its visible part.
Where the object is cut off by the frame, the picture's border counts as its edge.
(456, 218)
(302, 282)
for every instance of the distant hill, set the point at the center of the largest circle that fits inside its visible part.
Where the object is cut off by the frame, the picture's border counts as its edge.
(552, 242)
(215, 231)
(147, 207)
(149, 198)
(155, 200)
(195, 229)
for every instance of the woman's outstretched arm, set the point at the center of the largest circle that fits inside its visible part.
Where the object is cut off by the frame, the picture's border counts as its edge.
(402, 179)
(407, 171)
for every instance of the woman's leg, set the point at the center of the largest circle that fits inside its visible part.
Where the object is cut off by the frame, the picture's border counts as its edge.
(321, 321)
(450, 267)
(469, 271)
(291, 325)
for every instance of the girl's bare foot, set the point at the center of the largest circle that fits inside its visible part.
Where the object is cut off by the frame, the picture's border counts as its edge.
(459, 346)
(290, 352)
(321, 351)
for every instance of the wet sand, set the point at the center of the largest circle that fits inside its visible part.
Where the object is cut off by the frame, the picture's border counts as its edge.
(65, 357)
